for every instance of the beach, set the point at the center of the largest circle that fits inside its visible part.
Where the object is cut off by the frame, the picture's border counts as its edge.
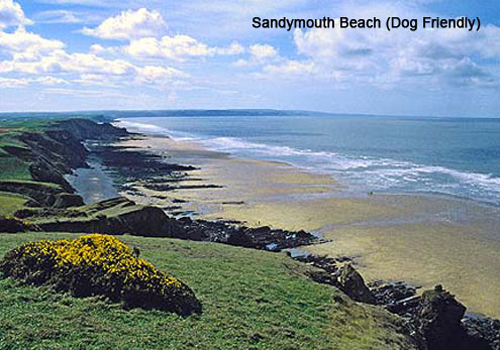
(421, 239)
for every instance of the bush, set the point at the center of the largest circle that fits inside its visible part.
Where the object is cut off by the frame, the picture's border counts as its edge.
(98, 264)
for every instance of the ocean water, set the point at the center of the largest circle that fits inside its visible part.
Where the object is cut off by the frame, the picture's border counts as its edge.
(449, 156)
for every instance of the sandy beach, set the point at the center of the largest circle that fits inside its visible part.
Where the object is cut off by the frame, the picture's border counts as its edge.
(423, 240)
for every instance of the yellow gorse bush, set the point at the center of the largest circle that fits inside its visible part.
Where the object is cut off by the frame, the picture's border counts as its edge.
(99, 264)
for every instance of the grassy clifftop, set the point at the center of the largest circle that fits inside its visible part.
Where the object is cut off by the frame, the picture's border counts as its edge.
(251, 299)
(10, 131)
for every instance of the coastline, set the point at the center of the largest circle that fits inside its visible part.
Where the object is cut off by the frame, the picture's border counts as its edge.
(391, 237)
(142, 167)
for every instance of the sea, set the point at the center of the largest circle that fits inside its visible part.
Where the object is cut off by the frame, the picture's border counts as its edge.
(457, 157)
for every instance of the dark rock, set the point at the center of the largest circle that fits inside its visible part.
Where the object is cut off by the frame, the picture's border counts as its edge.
(240, 238)
(438, 319)
(118, 216)
(65, 200)
(14, 225)
(41, 194)
(405, 307)
(483, 330)
(389, 293)
(324, 277)
(43, 171)
(324, 262)
(149, 221)
(121, 202)
(354, 286)
(175, 200)
(136, 165)
(167, 187)
(434, 320)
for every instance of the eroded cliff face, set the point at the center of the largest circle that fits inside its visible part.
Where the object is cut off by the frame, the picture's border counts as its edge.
(56, 150)
(52, 203)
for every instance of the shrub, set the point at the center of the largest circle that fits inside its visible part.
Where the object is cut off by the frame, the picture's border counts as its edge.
(98, 264)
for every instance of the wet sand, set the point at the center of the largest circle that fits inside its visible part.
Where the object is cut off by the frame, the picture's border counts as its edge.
(424, 240)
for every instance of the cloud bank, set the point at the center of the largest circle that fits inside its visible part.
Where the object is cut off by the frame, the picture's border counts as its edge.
(141, 52)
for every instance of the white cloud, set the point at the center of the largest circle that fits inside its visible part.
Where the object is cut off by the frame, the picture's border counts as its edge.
(130, 24)
(57, 16)
(157, 75)
(178, 47)
(11, 14)
(383, 58)
(241, 63)
(88, 68)
(62, 62)
(18, 82)
(292, 67)
(12, 82)
(37, 60)
(259, 54)
(26, 45)
(96, 49)
(234, 49)
(263, 51)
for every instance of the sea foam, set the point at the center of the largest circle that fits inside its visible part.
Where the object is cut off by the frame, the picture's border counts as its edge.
(359, 173)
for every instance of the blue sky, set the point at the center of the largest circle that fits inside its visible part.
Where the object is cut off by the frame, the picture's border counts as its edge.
(60, 55)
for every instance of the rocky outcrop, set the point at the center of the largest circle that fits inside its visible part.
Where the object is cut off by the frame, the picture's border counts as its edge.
(483, 330)
(258, 238)
(40, 193)
(137, 165)
(340, 273)
(148, 221)
(354, 286)
(434, 320)
(121, 215)
(66, 200)
(438, 319)
(116, 216)
(389, 293)
(14, 225)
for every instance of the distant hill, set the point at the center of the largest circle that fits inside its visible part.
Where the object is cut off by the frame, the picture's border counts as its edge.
(106, 115)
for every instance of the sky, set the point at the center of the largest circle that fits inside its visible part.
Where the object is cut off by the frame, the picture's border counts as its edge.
(70, 55)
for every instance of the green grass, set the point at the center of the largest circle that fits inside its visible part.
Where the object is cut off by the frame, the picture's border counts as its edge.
(31, 182)
(14, 168)
(251, 299)
(10, 203)
(21, 125)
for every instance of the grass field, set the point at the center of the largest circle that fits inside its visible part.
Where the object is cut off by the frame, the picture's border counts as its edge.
(251, 299)
(14, 168)
(10, 202)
